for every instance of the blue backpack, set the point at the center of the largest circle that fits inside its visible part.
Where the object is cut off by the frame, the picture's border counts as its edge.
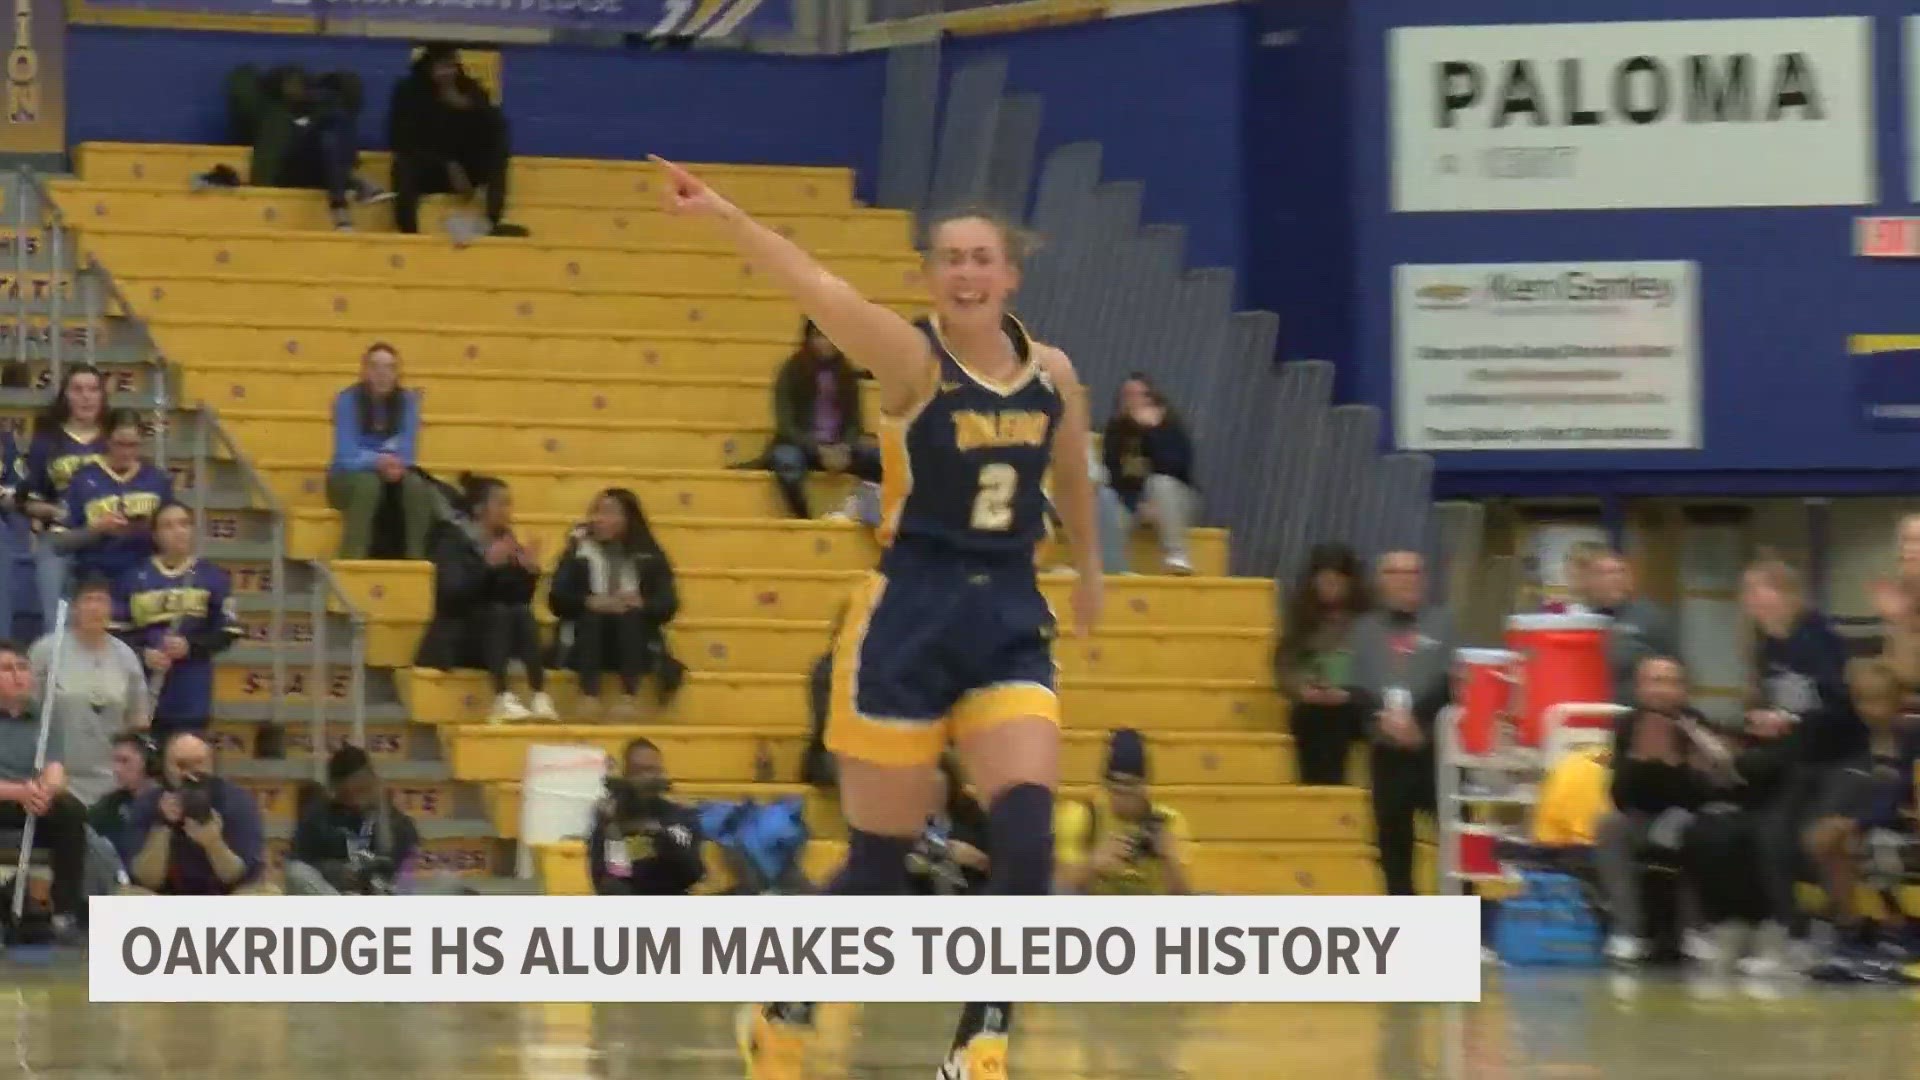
(1550, 924)
(762, 842)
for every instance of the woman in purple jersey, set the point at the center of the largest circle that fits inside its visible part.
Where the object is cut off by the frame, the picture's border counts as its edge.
(68, 435)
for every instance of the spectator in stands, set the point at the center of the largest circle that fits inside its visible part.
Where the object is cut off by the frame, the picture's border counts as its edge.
(1656, 788)
(14, 541)
(613, 592)
(817, 420)
(178, 612)
(643, 843)
(197, 834)
(108, 525)
(28, 789)
(1137, 846)
(1897, 602)
(356, 841)
(1878, 817)
(1577, 569)
(69, 433)
(99, 692)
(447, 136)
(1315, 662)
(1640, 628)
(950, 858)
(1402, 653)
(484, 581)
(1800, 703)
(376, 441)
(304, 133)
(136, 769)
(1149, 458)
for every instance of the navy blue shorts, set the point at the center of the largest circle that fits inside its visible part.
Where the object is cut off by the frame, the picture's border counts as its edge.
(934, 650)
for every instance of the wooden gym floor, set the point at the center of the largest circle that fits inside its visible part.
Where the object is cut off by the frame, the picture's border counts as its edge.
(1551, 1026)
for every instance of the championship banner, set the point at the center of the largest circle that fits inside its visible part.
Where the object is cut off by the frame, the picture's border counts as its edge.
(1602, 116)
(786, 948)
(36, 116)
(1547, 356)
(654, 18)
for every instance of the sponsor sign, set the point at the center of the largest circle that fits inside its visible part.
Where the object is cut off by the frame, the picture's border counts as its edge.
(1595, 116)
(1886, 380)
(1547, 356)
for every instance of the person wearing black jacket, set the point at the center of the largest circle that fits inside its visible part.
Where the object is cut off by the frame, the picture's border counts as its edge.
(1402, 652)
(303, 131)
(447, 136)
(643, 843)
(817, 420)
(1801, 705)
(1655, 791)
(483, 585)
(354, 841)
(613, 592)
(1149, 459)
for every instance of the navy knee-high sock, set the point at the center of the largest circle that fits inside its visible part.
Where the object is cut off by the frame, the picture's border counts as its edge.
(876, 866)
(1020, 833)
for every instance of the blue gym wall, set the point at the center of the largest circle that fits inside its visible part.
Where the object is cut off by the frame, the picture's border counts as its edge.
(1780, 290)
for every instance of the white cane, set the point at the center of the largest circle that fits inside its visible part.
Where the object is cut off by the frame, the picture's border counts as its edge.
(39, 759)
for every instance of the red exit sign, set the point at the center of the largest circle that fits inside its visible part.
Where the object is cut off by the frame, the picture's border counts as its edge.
(1887, 237)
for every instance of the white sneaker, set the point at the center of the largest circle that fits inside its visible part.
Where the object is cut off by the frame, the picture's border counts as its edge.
(543, 707)
(507, 710)
(1729, 944)
(1625, 949)
(1697, 944)
(1770, 957)
(1177, 564)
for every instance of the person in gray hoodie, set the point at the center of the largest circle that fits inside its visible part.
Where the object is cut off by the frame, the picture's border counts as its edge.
(1402, 659)
(1640, 629)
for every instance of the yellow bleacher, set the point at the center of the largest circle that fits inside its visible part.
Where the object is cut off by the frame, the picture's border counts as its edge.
(618, 346)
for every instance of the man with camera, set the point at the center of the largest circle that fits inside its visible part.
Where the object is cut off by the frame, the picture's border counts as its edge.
(356, 841)
(197, 834)
(1138, 847)
(643, 844)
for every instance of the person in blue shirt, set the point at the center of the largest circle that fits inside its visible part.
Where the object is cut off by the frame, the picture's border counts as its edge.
(108, 525)
(376, 441)
(68, 435)
(178, 613)
(197, 834)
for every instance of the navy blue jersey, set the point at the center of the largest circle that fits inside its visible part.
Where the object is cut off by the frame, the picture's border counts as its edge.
(94, 493)
(53, 458)
(194, 601)
(967, 472)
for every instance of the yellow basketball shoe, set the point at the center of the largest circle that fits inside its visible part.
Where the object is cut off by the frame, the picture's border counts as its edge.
(983, 1058)
(771, 1049)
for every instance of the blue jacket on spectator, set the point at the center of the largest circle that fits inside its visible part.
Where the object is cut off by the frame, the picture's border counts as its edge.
(1805, 674)
(355, 448)
(189, 873)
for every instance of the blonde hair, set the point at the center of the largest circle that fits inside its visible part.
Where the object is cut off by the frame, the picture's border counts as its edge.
(1016, 240)
(1779, 575)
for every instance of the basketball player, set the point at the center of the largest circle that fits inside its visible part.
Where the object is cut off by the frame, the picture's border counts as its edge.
(950, 638)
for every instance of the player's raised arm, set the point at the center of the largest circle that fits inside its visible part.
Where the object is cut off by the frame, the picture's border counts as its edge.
(870, 335)
(1073, 488)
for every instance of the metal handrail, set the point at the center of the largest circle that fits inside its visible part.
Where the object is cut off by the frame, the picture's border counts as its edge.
(327, 593)
(57, 228)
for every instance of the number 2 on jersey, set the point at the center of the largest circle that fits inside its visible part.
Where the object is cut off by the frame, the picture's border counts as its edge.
(993, 502)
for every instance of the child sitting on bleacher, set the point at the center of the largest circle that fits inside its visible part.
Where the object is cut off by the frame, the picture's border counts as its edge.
(1873, 830)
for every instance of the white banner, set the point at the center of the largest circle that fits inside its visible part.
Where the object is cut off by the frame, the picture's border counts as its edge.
(785, 948)
(1596, 116)
(1547, 356)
